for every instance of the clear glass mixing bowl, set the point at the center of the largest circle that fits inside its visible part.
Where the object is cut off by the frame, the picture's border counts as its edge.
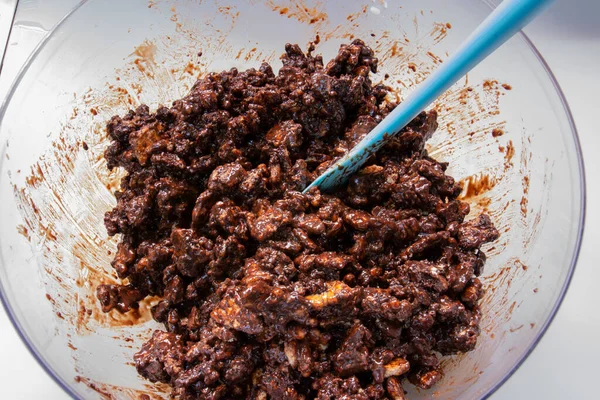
(506, 131)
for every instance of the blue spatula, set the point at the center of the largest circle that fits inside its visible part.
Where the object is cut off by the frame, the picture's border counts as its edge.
(498, 27)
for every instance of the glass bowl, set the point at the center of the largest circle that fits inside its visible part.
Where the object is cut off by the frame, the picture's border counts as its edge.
(505, 129)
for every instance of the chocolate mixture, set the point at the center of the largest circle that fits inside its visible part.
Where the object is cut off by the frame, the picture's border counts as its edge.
(268, 293)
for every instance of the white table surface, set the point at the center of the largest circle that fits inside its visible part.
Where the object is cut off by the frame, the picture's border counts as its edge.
(564, 365)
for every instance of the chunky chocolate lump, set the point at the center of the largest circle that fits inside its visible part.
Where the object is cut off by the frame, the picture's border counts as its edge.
(268, 293)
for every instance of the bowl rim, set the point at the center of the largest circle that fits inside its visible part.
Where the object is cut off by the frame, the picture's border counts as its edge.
(563, 291)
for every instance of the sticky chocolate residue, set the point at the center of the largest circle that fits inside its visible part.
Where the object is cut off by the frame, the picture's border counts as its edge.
(300, 11)
(476, 185)
(114, 392)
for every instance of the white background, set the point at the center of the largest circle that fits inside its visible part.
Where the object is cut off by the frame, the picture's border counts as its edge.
(564, 365)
